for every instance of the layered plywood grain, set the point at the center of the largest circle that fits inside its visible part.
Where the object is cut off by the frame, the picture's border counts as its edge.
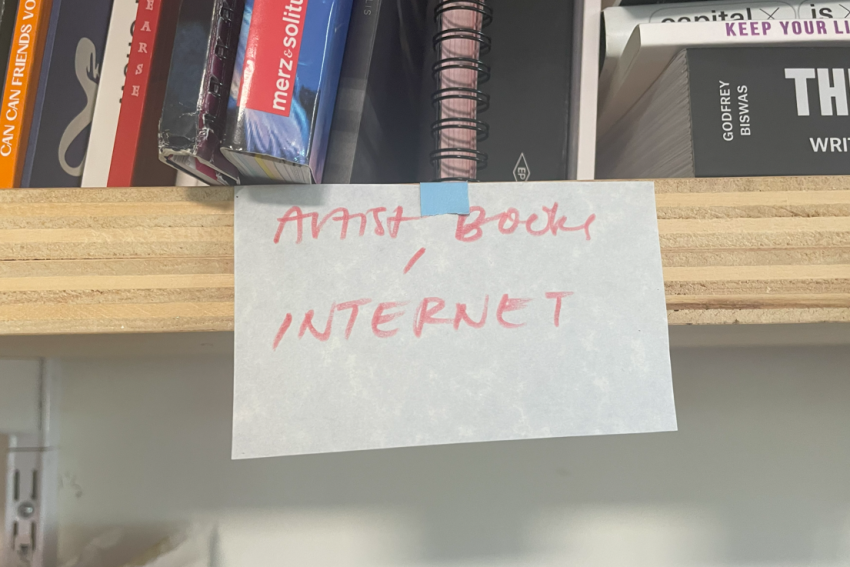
(756, 250)
(116, 260)
(771, 250)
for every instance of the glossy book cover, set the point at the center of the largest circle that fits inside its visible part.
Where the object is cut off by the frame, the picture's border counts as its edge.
(284, 87)
(195, 107)
(67, 90)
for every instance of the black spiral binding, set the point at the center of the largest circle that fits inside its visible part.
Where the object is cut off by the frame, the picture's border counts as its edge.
(441, 127)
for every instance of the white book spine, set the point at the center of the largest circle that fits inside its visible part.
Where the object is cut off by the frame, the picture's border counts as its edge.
(108, 102)
(620, 21)
(651, 47)
(582, 161)
(185, 180)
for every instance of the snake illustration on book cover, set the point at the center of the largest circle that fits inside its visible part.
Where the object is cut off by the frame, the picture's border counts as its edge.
(88, 72)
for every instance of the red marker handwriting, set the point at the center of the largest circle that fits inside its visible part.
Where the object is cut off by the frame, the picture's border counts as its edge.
(507, 304)
(413, 260)
(557, 296)
(429, 311)
(355, 309)
(379, 319)
(307, 324)
(469, 227)
(342, 216)
(287, 321)
(461, 315)
(426, 314)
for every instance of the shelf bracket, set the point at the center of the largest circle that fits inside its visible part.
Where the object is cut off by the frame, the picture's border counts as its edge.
(27, 462)
(29, 514)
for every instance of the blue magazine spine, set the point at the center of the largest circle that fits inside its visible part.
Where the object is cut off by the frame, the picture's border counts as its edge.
(284, 88)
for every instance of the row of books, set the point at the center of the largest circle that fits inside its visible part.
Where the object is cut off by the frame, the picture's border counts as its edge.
(724, 89)
(129, 92)
(64, 62)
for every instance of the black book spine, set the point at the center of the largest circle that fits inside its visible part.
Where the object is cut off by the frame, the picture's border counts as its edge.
(351, 94)
(531, 61)
(379, 97)
(195, 108)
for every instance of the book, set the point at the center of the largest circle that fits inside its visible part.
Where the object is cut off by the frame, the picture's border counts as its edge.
(8, 14)
(379, 95)
(110, 88)
(728, 112)
(183, 179)
(284, 88)
(581, 156)
(651, 47)
(195, 107)
(530, 103)
(67, 87)
(135, 155)
(459, 41)
(619, 22)
(20, 88)
(527, 118)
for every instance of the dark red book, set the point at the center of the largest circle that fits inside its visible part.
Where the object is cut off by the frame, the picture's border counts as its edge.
(135, 157)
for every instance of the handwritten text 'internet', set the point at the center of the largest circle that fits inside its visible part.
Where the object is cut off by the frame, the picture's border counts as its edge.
(426, 313)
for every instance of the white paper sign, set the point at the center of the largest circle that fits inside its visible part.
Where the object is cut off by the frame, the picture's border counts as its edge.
(360, 325)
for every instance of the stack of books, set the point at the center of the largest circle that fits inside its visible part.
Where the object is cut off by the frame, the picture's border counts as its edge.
(717, 89)
(117, 93)
(100, 93)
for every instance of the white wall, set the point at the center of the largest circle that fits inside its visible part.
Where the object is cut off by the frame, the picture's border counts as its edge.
(758, 475)
(4, 452)
(19, 395)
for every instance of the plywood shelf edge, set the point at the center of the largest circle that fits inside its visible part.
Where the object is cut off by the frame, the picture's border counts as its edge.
(750, 250)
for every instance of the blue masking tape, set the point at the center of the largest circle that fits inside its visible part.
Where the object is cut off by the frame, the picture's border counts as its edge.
(443, 199)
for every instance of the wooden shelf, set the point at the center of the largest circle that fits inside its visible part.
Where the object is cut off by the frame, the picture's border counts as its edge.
(753, 250)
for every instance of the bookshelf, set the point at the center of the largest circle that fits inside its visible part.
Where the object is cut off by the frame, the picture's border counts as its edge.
(77, 261)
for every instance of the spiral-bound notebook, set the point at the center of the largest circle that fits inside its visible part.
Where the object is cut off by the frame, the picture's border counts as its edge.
(491, 80)
(501, 73)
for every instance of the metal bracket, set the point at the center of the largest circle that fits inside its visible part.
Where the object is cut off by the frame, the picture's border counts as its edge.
(25, 467)
(28, 521)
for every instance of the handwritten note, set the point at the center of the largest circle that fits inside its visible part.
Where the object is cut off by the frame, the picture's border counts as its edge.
(361, 325)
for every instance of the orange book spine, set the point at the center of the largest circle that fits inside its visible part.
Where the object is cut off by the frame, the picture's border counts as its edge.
(21, 87)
